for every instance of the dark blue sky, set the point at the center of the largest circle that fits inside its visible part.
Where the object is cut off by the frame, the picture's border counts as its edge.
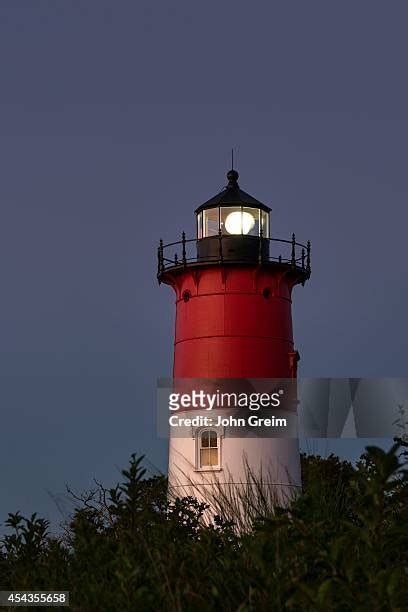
(116, 121)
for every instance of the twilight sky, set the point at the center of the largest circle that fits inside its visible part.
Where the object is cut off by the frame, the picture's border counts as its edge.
(116, 121)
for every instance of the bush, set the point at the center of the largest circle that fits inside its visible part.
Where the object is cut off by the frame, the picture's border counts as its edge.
(342, 545)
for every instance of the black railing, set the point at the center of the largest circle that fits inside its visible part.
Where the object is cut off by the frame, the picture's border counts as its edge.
(184, 252)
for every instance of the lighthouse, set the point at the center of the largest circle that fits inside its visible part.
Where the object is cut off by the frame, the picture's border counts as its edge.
(233, 285)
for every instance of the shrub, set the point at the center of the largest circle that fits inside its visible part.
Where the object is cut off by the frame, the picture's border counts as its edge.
(341, 545)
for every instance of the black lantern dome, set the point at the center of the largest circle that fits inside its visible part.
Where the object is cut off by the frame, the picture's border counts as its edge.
(236, 216)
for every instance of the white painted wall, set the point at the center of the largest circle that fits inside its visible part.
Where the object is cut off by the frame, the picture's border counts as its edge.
(272, 462)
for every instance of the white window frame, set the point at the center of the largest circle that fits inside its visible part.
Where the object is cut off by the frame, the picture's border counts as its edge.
(197, 443)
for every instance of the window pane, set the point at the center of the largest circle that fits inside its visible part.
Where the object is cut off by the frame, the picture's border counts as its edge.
(231, 220)
(199, 225)
(208, 457)
(205, 439)
(210, 218)
(213, 439)
(265, 224)
(204, 457)
(237, 220)
(213, 456)
(250, 221)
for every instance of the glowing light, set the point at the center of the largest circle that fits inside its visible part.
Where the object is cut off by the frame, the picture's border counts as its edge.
(239, 222)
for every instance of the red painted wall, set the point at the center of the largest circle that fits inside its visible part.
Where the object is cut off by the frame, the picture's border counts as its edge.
(228, 328)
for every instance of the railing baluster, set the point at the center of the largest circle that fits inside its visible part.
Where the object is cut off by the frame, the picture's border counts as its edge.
(308, 268)
(161, 256)
(303, 259)
(175, 259)
(293, 258)
(183, 240)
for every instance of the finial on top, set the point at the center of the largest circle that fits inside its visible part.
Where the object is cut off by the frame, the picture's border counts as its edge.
(232, 176)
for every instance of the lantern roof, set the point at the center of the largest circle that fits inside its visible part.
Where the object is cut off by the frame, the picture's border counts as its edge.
(232, 195)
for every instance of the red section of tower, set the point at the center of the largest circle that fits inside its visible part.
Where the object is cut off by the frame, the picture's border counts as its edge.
(236, 323)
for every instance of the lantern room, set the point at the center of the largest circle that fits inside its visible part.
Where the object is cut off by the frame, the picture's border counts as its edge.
(233, 228)
(237, 217)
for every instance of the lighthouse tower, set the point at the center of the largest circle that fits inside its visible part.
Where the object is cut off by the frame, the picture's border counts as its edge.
(233, 284)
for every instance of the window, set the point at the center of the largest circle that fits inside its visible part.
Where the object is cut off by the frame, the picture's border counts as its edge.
(200, 225)
(210, 222)
(265, 224)
(240, 220)
(209, 449)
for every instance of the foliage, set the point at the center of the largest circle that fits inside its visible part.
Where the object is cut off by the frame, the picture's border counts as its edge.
(341, 545)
